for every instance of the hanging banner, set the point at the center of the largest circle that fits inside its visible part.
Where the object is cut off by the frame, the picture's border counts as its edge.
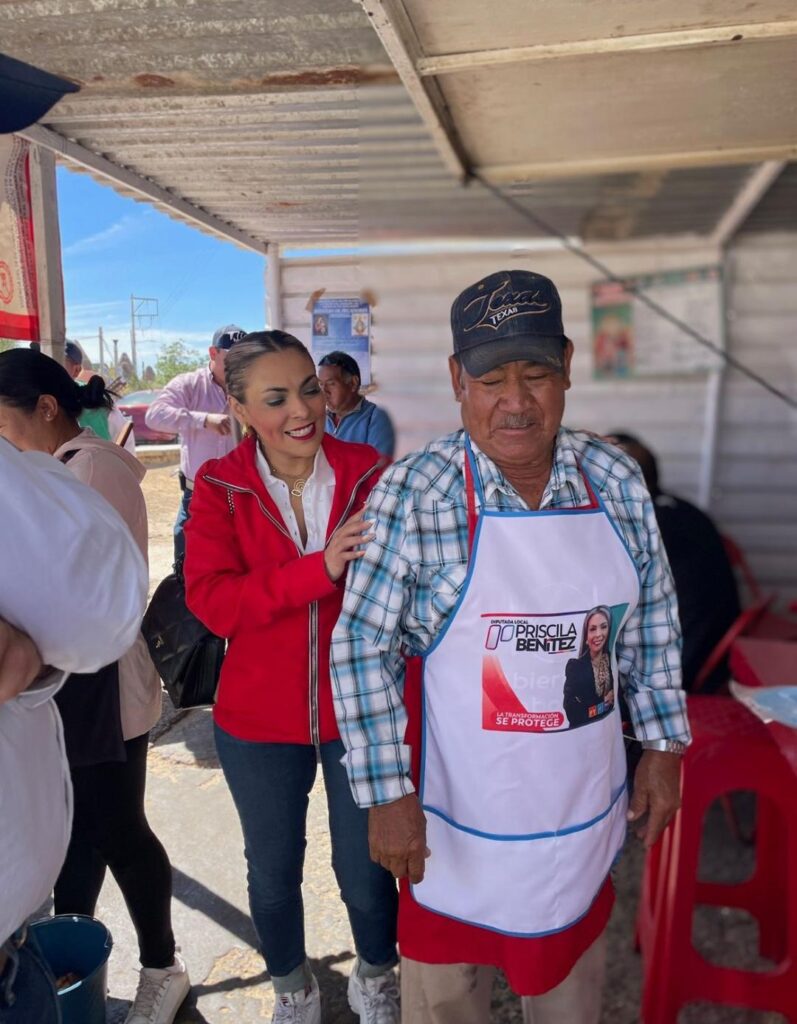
(19, 308)
(629, 339)
(343, 325)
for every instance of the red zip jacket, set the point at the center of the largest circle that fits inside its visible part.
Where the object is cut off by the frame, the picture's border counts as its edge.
(248, 582)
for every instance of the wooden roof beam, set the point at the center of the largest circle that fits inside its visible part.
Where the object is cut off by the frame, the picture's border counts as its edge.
(649, 42)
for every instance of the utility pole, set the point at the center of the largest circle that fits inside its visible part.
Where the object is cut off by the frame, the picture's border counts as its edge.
(102, 348)
(115, 357)
(143, 313)
(133, 333)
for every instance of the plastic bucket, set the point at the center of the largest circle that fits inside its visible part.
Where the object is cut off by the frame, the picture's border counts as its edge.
(79, 945)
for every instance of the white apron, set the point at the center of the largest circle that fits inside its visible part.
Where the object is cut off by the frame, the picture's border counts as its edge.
(523, 772)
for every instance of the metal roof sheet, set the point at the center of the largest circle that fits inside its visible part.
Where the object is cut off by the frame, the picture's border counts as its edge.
(286, 121)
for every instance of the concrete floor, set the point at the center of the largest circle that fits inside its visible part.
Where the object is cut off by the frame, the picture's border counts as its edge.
(191, 811)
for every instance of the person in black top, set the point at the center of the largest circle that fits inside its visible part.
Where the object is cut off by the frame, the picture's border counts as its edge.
(708, 598)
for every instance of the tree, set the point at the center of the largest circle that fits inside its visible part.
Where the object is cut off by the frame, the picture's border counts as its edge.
(174, 358)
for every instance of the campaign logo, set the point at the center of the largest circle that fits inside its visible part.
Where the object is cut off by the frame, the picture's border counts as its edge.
(555, 634)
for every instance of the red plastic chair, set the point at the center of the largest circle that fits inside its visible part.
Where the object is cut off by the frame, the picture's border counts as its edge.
(744, 624)
(740, 565)
(769, 624)
(731, 750)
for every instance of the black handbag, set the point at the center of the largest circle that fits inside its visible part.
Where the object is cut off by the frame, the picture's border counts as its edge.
(187, 655)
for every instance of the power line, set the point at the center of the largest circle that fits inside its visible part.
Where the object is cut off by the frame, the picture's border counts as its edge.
(609, 275)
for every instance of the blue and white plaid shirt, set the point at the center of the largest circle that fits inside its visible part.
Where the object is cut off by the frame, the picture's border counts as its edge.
(402, 592)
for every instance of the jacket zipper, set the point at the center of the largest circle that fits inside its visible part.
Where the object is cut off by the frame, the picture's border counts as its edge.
(315, 727)
(313, 712)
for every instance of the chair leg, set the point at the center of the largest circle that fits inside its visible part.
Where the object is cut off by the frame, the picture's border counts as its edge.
(771, 864)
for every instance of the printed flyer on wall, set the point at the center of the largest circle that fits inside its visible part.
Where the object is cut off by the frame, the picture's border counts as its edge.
(630, 339)
(343, 325)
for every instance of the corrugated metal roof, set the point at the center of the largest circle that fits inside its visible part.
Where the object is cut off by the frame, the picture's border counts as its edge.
(285, 119)
(351, 164)
(777, 211)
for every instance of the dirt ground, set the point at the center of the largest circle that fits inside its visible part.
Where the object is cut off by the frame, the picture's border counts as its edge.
(162, 492)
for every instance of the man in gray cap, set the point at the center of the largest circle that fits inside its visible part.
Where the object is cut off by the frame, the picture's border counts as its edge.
(520, 564)
(194, 405)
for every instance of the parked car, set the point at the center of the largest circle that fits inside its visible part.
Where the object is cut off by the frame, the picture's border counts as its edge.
(135, 406)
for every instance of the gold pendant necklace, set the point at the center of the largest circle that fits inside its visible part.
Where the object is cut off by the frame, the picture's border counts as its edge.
(298, 487)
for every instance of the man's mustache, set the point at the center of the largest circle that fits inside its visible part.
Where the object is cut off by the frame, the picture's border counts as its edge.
(514, 423)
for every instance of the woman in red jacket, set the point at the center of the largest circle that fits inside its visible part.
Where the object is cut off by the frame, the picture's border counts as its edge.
(272, 528)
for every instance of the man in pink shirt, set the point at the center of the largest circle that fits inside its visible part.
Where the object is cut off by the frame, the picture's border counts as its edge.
(194, 405)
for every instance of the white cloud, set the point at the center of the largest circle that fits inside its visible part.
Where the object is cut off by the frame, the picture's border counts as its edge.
(109, 237)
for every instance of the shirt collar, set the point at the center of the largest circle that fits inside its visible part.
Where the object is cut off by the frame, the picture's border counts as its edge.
(322, 476)
(565, 475)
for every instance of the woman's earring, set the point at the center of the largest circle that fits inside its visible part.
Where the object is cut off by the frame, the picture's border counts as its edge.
(246, 430)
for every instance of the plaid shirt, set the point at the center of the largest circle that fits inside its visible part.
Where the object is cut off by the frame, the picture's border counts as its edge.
(403, 591)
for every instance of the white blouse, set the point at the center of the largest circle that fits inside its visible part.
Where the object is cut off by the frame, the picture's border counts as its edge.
(316, 500)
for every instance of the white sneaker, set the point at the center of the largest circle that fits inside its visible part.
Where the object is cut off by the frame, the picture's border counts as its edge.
(298, 1007)
(160, 994)
(376, 1000)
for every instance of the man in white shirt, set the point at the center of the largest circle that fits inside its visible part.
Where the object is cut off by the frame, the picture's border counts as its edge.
(72, 593)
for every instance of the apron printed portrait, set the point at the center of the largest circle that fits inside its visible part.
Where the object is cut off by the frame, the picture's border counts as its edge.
(546, 673)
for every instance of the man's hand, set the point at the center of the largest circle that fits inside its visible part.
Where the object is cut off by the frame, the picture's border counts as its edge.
(20, 661)
(397, 837)
(657, 794)
(219, 423)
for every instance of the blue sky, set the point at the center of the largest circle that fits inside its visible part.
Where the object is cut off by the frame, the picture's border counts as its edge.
(113, 246)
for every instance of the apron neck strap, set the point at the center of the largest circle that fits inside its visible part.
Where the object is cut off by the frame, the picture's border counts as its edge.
(473, 485)
(594, 500)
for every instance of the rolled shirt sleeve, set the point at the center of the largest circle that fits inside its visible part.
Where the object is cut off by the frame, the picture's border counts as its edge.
(649, 648)
(73, 578)
(171, 412)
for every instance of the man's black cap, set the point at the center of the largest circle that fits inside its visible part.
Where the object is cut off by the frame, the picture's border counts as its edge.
(509, 316)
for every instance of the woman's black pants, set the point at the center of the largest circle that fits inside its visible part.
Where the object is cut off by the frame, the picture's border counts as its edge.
(110, 829)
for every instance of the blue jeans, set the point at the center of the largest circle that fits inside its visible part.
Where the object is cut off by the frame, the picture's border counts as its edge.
(27, 986)
(270, 784)
(179, 523)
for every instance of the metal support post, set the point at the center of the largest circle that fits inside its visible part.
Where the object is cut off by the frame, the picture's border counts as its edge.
(273, 287)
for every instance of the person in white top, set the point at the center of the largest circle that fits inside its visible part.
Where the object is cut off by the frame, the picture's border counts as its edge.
(106, 716)
(71, 570)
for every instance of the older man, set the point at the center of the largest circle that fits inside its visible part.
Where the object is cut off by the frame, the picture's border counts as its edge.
(194, 404)
(350, 416)
(508, 555)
